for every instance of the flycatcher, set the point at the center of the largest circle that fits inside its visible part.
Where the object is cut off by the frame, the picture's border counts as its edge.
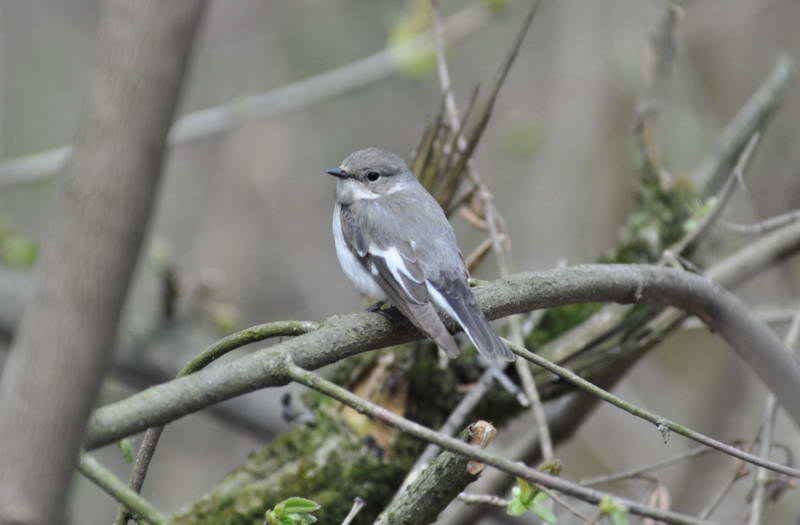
(394, 242)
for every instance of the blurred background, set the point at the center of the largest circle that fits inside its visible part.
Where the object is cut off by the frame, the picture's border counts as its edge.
(243, 220)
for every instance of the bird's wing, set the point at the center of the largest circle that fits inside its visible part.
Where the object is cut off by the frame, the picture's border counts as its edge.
(395, 267)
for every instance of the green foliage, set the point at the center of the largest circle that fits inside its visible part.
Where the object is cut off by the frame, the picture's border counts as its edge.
(528, 498)
(616, 511)
(126, 448)
(18, 251)
(293, 511)
(557, 321)
(416, 21)
(659, 221)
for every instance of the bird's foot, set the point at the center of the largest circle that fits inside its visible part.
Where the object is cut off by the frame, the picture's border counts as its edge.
(389, 312)
(375, 307)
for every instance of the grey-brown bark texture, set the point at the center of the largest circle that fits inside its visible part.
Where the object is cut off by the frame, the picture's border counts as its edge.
(97, 224)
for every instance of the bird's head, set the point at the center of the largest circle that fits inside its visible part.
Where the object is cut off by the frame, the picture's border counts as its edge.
(370, 174)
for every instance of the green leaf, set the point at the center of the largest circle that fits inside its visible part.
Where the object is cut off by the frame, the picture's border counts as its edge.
(544, 514)
(619, 517)
(18, 251)
(516, 508)
(524, 488)
(126, 448)
(292, 511)
(615, 510)
(299, 506)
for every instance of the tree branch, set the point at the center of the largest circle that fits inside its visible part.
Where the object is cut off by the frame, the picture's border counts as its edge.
(754, 116)
(114, 487)
(663, 424)
(379, 413)
(219, 119)
(343, 336)
(429, 494)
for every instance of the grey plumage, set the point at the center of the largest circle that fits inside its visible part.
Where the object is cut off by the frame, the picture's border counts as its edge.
(394, 242)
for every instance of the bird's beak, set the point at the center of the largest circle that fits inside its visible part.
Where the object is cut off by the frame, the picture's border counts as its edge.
(338, 172)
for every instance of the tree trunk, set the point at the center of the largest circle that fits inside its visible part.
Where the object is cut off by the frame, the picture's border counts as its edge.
(98, 221)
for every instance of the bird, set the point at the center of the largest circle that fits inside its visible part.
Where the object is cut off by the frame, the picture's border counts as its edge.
(395, 244)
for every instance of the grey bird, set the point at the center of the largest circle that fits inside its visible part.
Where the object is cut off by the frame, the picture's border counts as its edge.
(394, 242)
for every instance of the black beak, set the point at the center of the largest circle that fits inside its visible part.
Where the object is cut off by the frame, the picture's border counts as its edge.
(338, 172)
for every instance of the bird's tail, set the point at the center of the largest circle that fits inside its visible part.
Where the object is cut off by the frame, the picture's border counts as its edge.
(458, 302)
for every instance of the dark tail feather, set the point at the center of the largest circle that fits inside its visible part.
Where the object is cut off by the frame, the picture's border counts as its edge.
(477, 328)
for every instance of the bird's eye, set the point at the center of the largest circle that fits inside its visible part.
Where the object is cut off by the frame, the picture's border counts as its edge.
(372, 176)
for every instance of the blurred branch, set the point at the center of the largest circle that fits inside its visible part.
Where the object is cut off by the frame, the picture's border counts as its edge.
(740, 472)
(114, 487)
(220, 119)
(439, 483)
(657, 68)
(765, 442)
(497, 501)
(53, 374)
(753, 117)
(311, 380)
(343, 336)
(220, 348)
(765, 226)
(638, 471)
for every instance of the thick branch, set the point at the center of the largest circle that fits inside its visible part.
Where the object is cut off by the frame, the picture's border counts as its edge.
(343, 336)
(427, 496)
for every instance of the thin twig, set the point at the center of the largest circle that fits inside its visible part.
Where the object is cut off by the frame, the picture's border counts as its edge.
(739, 473)
(663, 424)
(383, 415)
(496, 501)
(765, 226)
(762, 476)
(358, 504)
(632, 473)
(116, 488)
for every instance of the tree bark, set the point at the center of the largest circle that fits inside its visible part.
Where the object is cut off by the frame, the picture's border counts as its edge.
(98, 221)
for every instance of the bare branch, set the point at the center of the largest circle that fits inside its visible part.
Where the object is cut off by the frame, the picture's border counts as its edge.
(219, 119)
(765, 226)
(438, 484)
(220, 348)
(379, 413)
(116, 488)
(343, 336)
(765, 442)
(754, 116)
(632, 473)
